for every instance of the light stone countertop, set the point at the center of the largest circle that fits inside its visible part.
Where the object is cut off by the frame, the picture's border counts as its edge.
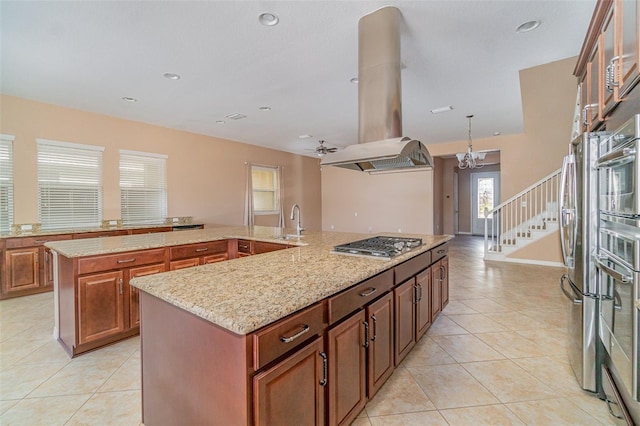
(41, 232)
(245, 294)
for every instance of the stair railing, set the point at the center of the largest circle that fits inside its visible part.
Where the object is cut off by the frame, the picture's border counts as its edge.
(515, 218)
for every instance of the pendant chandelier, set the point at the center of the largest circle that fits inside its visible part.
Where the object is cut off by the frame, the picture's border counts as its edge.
(470, 159)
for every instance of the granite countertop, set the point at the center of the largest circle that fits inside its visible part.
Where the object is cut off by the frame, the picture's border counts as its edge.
(244, 294)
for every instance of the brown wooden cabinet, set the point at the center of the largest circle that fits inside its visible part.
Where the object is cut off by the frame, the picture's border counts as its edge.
(405, 322)
(423, 303)
(292, 392)
(100, 306)
(628, 71)
(27, 266)
(187, 256)
(436, 292)
(134, 294)
(97, 305)
(380, 348)
(347, 370)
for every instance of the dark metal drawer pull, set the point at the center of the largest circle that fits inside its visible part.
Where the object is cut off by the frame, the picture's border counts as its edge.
(40, 241)
(325, 372)
(305, 329)
(369, 292)
(243, 247)
(202, 249)
(366, 334)
(375, 326)
(441, 251)
(127, 260)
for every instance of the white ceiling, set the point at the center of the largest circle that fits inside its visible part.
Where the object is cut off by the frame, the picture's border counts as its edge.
(88, 55)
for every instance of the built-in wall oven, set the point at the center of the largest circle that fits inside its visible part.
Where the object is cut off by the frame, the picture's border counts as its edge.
(618, 269)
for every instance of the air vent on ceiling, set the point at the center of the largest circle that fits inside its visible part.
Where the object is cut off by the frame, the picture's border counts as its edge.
(235, 116)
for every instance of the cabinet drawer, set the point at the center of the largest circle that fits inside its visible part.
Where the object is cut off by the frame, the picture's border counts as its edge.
(411, 267)
(201, 249)
(35, 240)
(119, 261)
(285, 335)
(352, 299)
(439, 252)
(244, 246)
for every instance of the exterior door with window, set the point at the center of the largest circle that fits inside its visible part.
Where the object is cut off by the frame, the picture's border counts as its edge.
(485, 195)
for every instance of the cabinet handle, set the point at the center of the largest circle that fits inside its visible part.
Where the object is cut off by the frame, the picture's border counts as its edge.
(243, 247)
(366, 334)
(416, 299)
(305, 329)
(369, 292)
(443, 274)
(441, 251)
(127, 260)
(39, 241)
(609, 402)
(121, 289)
(584, 112)
(325, 370)
(202, 249)
(375, 326)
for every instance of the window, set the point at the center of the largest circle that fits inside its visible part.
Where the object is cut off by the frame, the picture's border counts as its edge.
(143, 194)
(69, 185)
(265, 189)
(485, 196)
(6, 182)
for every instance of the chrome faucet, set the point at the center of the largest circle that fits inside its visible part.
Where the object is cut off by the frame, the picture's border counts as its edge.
(299, 227)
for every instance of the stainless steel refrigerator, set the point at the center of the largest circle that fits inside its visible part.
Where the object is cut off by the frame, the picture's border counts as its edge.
(578, 236)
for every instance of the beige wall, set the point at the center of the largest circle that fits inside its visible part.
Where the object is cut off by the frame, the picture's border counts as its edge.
(205, 175)
(359, 202)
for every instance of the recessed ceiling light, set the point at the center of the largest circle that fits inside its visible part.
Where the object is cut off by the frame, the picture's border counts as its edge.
(268, 19)
(354, 80)
(128, 99)
(528, 26)
(220, 121)
(305, 136)
(441, 109)
(236, 116)
(171, 76)
(265, 108)
(496, 133)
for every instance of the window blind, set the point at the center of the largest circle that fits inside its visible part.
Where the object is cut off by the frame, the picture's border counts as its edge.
(69, 185)
(6, 182)
(143, 194)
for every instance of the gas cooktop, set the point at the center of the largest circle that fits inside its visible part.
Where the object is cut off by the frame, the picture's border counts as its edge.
(381, 246)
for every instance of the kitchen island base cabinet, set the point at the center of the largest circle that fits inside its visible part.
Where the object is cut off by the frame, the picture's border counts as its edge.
(100, 306)
(292, 392)
(193, 372)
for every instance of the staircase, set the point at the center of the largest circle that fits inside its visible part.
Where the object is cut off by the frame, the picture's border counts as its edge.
(522, 219)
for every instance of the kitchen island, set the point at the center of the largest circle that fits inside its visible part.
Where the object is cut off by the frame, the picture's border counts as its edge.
(295, 336)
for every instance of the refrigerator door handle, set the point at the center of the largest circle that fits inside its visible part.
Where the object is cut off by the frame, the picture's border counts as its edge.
(564, 211)
(575, 299)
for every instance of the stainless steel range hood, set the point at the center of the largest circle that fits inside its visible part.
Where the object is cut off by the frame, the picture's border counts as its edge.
(381, 146)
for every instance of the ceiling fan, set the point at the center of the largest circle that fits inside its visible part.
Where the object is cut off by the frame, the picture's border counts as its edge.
(321, 150)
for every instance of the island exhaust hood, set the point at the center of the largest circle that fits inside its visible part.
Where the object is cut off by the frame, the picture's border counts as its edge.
(381, 146)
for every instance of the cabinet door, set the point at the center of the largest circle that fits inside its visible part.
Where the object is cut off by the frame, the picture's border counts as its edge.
(134, 294)
(405, 315)
(184, 263)
(444, 284)
(436, 290)
(423, 303)
(100, 306)
(22, 269)
(381, 348)
(347, 372)
(629, 45)
(292, 392)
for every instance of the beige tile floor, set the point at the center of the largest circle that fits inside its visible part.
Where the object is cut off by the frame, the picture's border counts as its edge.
(496, 356)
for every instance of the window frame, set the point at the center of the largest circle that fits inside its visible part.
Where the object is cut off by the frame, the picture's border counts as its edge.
(6, 175)
(93, 155)
(146, 159)
(275, 191)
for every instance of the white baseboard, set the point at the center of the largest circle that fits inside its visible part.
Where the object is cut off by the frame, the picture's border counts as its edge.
(528, 262)
(463, 233)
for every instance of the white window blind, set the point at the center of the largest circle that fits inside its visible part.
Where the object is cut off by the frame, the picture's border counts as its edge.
(6, 182)
(143, 194)
(265, 189)
(69, 185)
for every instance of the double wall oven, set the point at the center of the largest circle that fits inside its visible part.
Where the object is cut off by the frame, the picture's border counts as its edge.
(617, 262)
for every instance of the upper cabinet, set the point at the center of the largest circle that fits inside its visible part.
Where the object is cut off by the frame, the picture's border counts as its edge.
(607, 68)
